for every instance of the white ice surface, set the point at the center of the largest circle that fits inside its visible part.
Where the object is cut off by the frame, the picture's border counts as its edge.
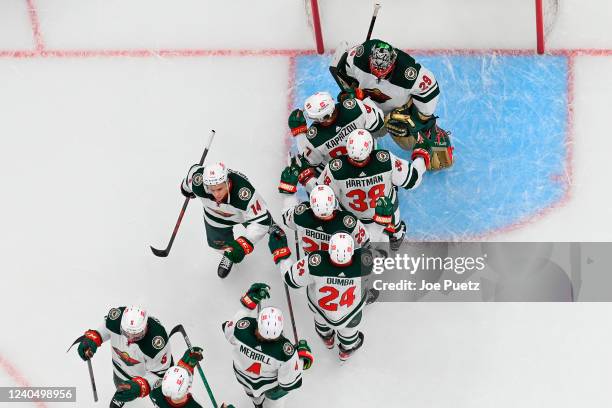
(93, 151)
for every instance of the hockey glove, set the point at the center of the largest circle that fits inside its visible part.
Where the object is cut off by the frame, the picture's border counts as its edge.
(306, 171)
(422, 149)
(297, 122)
(238, 249)
(305, 353)
(187, 194)
(289, 178)
(256, 293)
(383, 213)
(190, 358)
(132, 389)
(89, 344)
(353, 93)
(277, 242)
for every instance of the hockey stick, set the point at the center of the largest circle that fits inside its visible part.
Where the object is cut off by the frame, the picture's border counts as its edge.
(181, 329)
(91, 374)
(164, 252)
(297, 255)
(343, 83)
(372, 21)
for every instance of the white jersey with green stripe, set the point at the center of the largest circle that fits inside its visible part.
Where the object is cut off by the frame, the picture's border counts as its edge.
(261, 365)
(336, 293)
(358, 188)
(243, 205)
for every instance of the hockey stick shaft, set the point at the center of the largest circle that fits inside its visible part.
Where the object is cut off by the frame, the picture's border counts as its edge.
(372, 21)
(289, 304)
(165, 252)
(90, 368)
(181, 329)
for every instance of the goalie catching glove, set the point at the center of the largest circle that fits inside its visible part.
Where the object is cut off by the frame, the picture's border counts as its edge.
(277, 242)
(406, 121)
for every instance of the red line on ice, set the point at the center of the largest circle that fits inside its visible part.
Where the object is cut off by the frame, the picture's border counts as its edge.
(17, 377)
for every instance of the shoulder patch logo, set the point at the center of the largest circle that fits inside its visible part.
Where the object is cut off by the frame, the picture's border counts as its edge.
(382, 156)
(410, 73)
(312, 132)
(114, 313)
(314, 260)
(288, 348)
(243, 324)
(349, 103)
(158, 342)
(366, 258)
(197, 179)
(335, 164)
(359, 51)
(349, 221)
(244, 193)
(300, 208)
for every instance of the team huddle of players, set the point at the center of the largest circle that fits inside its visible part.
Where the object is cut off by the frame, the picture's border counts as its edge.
(352, 200)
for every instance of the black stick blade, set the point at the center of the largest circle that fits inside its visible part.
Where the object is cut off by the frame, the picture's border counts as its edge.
(162, 253)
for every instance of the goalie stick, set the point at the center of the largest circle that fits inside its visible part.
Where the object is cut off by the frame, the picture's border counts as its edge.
(164, 252)
(344, 83)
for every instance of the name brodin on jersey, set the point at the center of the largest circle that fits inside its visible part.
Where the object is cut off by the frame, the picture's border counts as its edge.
(317, 235)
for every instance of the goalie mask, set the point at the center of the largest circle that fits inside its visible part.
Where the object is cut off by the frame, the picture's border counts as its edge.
(382, 59)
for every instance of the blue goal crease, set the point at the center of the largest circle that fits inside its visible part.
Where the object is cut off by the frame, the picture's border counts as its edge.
(508, 119)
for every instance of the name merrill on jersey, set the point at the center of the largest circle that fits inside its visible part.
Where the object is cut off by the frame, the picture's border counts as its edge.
(340, 281)
(253, 355)
(339, 138)
(365, 182)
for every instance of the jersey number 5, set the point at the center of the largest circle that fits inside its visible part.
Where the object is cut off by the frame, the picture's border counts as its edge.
(359, 197)
(327, 302)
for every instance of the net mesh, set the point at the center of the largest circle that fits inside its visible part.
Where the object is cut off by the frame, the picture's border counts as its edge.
(550, 10)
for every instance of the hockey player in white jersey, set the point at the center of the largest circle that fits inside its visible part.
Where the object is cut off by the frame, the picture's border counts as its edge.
(366, 181)
(336, 288)
(326, 136)
(266, 364)
(140, 351)
(406, 91)
(319, 218)
(176, 384)
(229, 199)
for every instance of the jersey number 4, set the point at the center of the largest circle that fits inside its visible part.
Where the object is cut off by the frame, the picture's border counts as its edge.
(327, 302)
(359, 197)
(255, 368)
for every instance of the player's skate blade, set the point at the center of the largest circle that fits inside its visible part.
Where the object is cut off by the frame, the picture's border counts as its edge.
(372, 295)
(225, 267)
(395, 241)
(346, 354)
(329, 341)
(116, 404)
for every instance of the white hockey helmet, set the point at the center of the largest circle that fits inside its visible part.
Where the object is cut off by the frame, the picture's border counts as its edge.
(323, 201)
(134, 323)
(270, 323)
(341, 248)
(359, 144)
(176, 383)
(319, 106)
(214, 174)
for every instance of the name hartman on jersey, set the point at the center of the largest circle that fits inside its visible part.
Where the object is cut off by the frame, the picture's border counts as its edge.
(366, 182)
(335, 141)
(253, 355)
(340, 281)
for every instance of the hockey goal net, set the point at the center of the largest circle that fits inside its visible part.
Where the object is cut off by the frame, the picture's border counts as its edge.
(546, 12)
(314, 22)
